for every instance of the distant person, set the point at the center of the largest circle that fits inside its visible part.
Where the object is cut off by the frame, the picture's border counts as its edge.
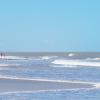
(1, 54)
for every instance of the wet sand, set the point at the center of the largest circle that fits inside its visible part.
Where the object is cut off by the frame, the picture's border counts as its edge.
(13, 85)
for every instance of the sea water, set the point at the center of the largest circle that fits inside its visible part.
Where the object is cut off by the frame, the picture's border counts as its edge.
(67, 66)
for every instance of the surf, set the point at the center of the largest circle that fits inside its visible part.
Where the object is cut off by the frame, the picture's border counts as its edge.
(75, 63)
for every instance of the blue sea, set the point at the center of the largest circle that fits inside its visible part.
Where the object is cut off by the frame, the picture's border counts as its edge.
(63, 66)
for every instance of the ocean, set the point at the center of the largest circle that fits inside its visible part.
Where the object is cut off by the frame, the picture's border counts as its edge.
(82, 67)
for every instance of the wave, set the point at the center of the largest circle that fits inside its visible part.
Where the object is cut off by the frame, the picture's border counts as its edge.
(43, 79)
(42, 91)
(6, 65)
(38, 79)
(48, 57)
(75, 63)
(97, 85)
(93, 59)
(71, 54)
(92, 84)
(14, 58)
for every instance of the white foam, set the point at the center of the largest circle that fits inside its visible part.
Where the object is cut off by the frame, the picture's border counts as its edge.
(64, 66)
(95, 59)
(14, 58)
(76, 63)
(96, 85)
(45, 80)
(5, 65)
(39, 91)
(71, 54)
(47, 57)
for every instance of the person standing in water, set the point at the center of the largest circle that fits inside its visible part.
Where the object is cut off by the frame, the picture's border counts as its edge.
(1, 54)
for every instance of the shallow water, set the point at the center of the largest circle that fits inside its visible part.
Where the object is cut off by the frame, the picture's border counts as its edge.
(41, 66)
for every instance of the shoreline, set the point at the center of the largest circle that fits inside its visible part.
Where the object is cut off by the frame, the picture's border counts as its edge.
(13, 85)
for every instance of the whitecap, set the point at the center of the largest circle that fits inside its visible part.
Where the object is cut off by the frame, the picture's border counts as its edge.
(71, 54)
(76, 63)
(14, 58)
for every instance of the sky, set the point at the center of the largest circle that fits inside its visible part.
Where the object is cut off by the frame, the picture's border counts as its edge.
(50, 25)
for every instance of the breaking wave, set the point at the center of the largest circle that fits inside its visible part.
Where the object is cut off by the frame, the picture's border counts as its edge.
(14, 58)
(71, 54)
(76, 63)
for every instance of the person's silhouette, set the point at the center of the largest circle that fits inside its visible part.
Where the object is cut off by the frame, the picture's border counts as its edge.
(1, 54)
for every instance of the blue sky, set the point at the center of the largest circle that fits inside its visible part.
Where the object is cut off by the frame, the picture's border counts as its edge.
(50, 25)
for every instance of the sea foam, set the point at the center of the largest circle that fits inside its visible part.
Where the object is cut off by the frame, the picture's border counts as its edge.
(76, 63)
(71, 54)
(95, 85)
(14, 58)
(5, 65)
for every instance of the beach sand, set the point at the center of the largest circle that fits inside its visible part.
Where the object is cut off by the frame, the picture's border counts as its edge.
(13, 85)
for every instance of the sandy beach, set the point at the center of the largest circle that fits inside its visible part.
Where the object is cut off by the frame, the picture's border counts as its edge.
(13, 85)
